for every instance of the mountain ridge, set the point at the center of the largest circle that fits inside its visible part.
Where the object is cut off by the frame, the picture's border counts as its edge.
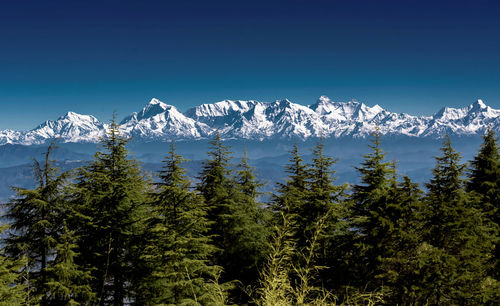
(255, 120)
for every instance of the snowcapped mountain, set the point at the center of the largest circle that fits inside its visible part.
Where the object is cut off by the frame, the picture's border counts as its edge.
(71, 127)
(255, 120)
(161, 122)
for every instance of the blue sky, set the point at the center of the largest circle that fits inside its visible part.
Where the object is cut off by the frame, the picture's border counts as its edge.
(94, 57)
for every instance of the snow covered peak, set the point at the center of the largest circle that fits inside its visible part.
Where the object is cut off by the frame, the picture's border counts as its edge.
(284, 102)
(69, 115)
(153, 108)
(377, 108)
(345, 111)
(155, 101)
(323, 105)
(239, 119)
(365, 112)
(289, 106)
(78, 118)
(478, 108)
(220, 109)
(324, 99)
(71, 127)
(450, 113)
(480, 104)
(162, 122)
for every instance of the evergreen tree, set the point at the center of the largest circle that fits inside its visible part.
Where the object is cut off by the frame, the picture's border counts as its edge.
(110, 203)
(485, 173)
(35, 217)
(454, 258)
(292, 198)
(67, 283)
(12, 290)
(324, 202)
(485, 184)
(248, 183)
(292, 194)
(307, 199)
(323, 197)
(217, 190)
(371, 215)
(399, 268)
(254, 220)
(234, 229)
(179, 249)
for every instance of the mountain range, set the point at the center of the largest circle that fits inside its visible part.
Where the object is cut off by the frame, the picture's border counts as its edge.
(254, 120)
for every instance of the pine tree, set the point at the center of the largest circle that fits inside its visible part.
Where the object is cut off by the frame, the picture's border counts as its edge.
(485, 184)
(68, 284)
(235, 231)
(400, 266)
(309, 198)
(248, 182)
(372, 202)
(485, 172)
(325, 203)
(253, 218)
(217, 188)
(179, 249)
(12, 290)
(291, 200)
(293, 193)
(35, 217)
(110, 203)
(324, 196)
(454, 258)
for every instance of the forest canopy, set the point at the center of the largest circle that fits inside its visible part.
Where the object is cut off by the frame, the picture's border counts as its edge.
(108, 234)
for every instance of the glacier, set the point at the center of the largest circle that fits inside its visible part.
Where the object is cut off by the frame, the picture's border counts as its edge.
(255, 120)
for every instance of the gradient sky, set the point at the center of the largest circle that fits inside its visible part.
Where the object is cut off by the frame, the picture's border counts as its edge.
(94, 57)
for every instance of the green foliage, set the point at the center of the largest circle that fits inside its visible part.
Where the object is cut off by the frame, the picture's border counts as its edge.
(234, 213)
(485, 173)
(12, 290)
(454, 258)
(290, 205)
(292, 194)
(67, 283)
(325, 203)
(179, 250)
(323, 197)
(399, 267)
(35, 217)
(309, 197)
(253, 221)
(110, 207)
(110, 237)
(217, 189)
(247, 181)
(373, 216)
(283, 281)
(484, 184)
(275, 285)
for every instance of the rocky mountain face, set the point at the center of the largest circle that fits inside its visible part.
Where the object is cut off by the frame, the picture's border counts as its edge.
(254, 120)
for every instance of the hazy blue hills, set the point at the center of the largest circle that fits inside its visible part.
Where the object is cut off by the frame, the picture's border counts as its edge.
(414, 157)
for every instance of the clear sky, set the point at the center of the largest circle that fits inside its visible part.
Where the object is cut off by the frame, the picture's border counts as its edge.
(94, 57)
